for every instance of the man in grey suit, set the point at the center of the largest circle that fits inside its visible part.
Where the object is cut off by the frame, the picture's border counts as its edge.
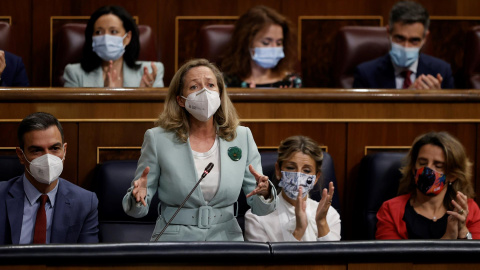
(39, 207)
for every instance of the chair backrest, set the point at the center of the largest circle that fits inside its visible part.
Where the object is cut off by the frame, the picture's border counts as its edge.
(471, 62)
(213, 41)
(378, 180)
(5, 41)
(113, 178)
(10, 167)
(68, 46)
(355, 45)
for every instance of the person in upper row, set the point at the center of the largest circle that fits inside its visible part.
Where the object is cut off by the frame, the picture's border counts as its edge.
(404, 67)
(297, 217)
(110, 54)
(436, 194)
(261, 52)
(12, 70)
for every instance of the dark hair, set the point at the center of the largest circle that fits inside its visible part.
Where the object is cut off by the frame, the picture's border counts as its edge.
(236, 60)
(409, 12)
(90, 59)
(37, 121)
(456, 165)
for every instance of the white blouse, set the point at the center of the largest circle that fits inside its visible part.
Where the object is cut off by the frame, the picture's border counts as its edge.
(279, 225)
(210, 183)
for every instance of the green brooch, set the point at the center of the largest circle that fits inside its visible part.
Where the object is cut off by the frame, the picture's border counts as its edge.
(235, 153)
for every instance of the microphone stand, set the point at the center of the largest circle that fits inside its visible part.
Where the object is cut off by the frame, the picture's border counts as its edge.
(207, 170)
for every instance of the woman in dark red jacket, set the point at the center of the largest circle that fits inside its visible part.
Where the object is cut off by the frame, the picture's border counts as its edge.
(435, 194)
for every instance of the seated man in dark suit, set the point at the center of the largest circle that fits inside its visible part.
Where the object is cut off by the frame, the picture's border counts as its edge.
(404, 66)
(12, 70)
(38, 206)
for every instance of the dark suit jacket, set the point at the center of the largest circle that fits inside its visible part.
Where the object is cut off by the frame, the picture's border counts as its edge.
(14, 73)
(75, 217)
(379, 73)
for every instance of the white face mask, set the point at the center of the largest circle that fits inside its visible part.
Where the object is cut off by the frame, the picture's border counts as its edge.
(291, 181)
(202, 104)
(45, 169)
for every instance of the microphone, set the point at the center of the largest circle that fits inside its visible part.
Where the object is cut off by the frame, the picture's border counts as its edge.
(205, 172)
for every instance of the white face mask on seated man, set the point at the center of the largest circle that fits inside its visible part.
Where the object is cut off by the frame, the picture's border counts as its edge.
(45, 169)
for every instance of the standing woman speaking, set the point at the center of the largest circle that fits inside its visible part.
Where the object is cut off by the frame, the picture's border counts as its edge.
(199, 125)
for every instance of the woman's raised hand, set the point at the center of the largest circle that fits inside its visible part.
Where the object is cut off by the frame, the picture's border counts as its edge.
(148, 79)
(263, 186)
(140, 187)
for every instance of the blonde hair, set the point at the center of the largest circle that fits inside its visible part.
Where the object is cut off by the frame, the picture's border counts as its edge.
(176, 119)
(457, 165)
(302, 144)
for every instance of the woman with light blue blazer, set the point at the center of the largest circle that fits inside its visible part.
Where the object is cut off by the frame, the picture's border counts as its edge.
(199, 125)
(110, 54)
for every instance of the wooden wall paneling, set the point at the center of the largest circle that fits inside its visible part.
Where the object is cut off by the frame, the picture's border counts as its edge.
(331, 135)
(187, 34)
(70, 170)
(468, 8)
(107, 153)
(390, 134)
(380, 266)
(317, 44)
(447, 41)
(106, 134)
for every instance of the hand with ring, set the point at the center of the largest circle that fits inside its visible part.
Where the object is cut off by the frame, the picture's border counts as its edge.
(460, 213)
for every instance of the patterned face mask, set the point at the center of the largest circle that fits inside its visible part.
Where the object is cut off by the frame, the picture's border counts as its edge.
(429, 182)
(291, 181)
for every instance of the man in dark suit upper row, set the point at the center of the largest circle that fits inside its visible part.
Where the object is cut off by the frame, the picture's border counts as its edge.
(404, 66)
(12, 70)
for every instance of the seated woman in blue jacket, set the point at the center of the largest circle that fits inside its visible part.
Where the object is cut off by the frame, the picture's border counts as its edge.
(198, 126)
(110, 54)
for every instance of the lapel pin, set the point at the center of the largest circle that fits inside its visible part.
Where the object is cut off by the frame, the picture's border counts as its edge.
(235, 153)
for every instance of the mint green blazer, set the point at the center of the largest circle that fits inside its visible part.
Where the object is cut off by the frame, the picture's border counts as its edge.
(173, 175)
(75, 76)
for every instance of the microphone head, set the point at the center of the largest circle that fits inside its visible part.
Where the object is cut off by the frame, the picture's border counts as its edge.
(209, 167)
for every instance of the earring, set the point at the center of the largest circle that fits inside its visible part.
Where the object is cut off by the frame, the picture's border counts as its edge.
(450, 183)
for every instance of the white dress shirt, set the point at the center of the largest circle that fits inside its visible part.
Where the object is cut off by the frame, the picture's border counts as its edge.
(279, 225)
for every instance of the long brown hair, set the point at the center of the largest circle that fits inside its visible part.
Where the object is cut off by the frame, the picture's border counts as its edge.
(457, 166)
(175, 118)
(236, 60)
